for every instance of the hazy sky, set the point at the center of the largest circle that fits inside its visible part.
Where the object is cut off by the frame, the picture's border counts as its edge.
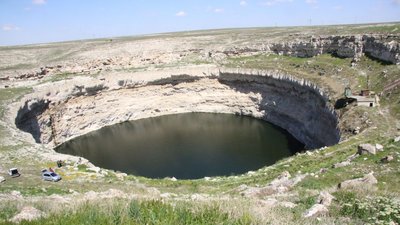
(38, 21)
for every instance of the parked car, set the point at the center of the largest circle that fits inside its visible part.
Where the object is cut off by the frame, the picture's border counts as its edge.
(50, 176)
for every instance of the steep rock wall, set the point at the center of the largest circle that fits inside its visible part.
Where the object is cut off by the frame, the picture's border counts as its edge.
(295, 105)
(385, 48)
(342, 46)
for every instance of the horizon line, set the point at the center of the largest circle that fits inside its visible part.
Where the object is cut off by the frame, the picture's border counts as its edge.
(194, 30)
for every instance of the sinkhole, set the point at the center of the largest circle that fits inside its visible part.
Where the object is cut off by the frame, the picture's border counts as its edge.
(182, 126)
(185, 146)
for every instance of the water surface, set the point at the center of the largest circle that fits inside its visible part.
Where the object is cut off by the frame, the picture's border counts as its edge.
(185, 146)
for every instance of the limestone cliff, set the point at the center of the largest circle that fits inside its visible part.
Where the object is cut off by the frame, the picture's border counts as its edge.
(385, 48)
(295, 105)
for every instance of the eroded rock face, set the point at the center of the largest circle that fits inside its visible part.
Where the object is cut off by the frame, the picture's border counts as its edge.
(295, 105)
(385, 48)
(382, 47)
(342, 46)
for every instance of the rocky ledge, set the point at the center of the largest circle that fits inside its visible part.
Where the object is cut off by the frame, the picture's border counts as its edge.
(383, 47)
(61, 111)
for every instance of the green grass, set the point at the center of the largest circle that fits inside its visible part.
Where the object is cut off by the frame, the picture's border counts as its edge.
(7, 210)
(13, 93)
(44, 190)
(391, 28)
(7, 95)
(137, 212)
(321, 69)
(82, 168)
(59, 77)
(308, 201)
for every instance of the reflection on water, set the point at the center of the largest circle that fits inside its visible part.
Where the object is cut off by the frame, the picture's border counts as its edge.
(185, 146)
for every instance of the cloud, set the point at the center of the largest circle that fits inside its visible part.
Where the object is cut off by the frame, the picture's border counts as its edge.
(9, 27)
(243, 3)
(311, 2)
(397, 2)
(338, 7)
(39, 2)
(274, 2)
(181, 13)
(218, 10)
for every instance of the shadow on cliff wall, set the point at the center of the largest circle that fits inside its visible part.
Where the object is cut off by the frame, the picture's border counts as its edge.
(27, 118)
(380, 61)
(343, 102)
(287, 92)
(175, 80)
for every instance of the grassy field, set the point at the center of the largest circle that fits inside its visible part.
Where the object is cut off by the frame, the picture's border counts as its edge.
(136, 212)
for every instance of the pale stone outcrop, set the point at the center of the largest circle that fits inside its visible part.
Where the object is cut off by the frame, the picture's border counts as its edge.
(321, 207)
(366, 149)
(379, 147)
(281, 184)
(387, 159)
(272, 202)
(325, 198)
(27, 213)
(316, 210)
(368, 179)
(341, 164)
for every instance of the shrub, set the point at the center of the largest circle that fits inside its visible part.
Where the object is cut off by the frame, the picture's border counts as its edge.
(380, 210)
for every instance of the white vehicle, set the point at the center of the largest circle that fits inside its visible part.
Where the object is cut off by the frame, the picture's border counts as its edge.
(50, 176)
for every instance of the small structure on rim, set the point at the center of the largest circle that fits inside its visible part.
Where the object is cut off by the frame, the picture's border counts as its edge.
(365, 98)
(13, 172)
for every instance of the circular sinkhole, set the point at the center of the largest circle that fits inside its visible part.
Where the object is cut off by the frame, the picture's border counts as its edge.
(185, 146)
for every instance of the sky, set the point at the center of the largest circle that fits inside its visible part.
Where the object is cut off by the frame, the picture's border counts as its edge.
(42, 21)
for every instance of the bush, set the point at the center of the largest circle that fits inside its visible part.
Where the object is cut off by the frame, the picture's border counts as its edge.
(380, 210)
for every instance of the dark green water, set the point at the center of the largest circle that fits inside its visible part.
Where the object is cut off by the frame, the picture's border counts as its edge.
(185, 146)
